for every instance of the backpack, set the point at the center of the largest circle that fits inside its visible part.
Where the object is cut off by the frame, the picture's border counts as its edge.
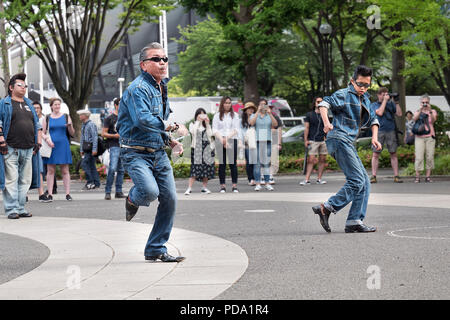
(421, 126)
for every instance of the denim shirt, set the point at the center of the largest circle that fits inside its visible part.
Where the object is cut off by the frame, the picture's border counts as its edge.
(5, 123)
(89, 134)
(350, 113)
(142, 114)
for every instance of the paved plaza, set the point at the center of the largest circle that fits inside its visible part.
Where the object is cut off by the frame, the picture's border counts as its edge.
(250, 245)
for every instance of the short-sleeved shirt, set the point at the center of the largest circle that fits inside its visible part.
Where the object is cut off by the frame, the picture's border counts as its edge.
(21, 132)
(110, 123)
(387, 120)
(316, 132)
(263, 128)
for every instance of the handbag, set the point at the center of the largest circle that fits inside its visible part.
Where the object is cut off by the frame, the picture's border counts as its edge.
(87, 146)
(45, 150)
(421, 126)
(250, 138)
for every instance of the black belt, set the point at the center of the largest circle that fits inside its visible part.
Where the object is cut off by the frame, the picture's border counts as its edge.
(140, 148)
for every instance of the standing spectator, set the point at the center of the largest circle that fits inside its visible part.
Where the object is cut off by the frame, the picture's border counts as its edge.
(88, 149)
(250, 153)
(115, 165)
(351, 110)
(42, 196)
(20, 138)
(202, 156)
(425, 144)
(277, 133)
(226, 130)
(386, 110)
(263, 121)
(57, 129)
(315, 141)
(142, 126)
(409, 124)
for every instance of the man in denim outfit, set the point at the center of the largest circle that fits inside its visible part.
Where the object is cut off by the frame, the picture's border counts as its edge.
(142, 126)
(351, 111)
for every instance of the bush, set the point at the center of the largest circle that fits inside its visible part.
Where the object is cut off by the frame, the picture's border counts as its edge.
(441, 166)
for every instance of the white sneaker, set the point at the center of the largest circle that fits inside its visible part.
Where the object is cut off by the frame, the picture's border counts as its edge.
(319, 181)
(205, 191)
(269, 187)
(188, 192)
(305, 182)
(258, 187)
(271, 180)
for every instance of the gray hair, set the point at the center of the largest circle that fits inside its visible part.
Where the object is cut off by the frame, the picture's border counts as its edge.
(425, 96)
(153, 45)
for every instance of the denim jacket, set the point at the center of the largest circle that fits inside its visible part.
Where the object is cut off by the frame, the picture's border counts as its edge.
(350, 113)
(5, 123)
(141, 119)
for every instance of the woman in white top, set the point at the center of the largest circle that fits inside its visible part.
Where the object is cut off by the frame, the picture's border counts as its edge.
(38, 107)
(202, 155)
(226, 130)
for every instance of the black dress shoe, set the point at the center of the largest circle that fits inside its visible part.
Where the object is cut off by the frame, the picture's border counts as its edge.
(107, 196)
(119, 195)
(359, 228)
(131, 209)
(165, 257)
(25, 215)
(13, 216)
(324, 214)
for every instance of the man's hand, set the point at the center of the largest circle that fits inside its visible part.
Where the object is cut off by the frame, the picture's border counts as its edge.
(306, 143)
(94, 153)
(172, 127)
(3, 146)
(377, 145)
(177, 147)
(36, 148)
(327, 127)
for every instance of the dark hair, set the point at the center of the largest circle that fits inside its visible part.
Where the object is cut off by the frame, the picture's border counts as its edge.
(12, 81)
(197, 112)
(408, 112)
(222, 110)
(38, 103)
(362, 71)
(263, 100)
(116, 101)
(313, 105)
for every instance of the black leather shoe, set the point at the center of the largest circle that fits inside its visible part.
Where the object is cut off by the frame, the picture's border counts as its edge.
(131, 209)
(13, 216)
(25, 215)
(359, 228)
(107, 196)
(165, 257)
(324, 214)
(119, 195)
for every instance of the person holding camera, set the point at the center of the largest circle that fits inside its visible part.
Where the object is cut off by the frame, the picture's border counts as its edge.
(386, 108)
(424, 144)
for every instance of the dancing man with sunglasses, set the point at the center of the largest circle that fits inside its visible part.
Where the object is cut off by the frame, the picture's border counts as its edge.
(143, 129)
(351, 112)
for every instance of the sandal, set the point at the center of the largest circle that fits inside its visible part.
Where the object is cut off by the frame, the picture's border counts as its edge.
(428, 180)
(417, 180)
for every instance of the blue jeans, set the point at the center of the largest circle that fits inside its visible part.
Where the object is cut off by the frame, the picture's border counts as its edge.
(264, 152)
(88, 165)
(153, 179)
(115, 165)
(357, 186)
(18, 175)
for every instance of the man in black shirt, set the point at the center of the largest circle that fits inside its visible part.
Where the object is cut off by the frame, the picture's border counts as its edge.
(315, 141)
(115, 165)
(20, 138)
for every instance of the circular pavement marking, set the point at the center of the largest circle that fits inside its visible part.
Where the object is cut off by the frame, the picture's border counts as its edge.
(104, 259)
(259, 211)
(394, 233)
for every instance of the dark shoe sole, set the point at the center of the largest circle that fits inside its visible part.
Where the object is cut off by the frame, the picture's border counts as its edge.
(152, 259)
(323, 217)
(130, 209)
(25, 215)
(352, 230)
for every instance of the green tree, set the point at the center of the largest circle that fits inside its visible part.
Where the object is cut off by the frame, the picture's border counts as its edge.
(68, 37)
(255, 26)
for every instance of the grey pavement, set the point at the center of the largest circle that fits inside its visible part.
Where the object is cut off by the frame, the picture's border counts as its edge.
(266, 245)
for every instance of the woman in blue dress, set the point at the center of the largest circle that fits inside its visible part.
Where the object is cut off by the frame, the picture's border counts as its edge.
(56, 134)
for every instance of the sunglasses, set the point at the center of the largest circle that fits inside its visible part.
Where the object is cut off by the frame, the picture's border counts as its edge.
(362, 84)
(22, 85)
(157, 59)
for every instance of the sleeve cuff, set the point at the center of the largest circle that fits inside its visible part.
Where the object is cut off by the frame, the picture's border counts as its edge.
(324, 104)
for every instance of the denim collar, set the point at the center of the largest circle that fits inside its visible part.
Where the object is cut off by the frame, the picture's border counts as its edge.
(351, 89)
(152, 80)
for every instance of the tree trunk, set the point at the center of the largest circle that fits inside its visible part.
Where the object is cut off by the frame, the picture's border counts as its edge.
(251, 92)
(398, 81)
(4, 45)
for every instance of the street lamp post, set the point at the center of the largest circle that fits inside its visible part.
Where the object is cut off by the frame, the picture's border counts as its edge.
(121, 80)
(325, 31)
